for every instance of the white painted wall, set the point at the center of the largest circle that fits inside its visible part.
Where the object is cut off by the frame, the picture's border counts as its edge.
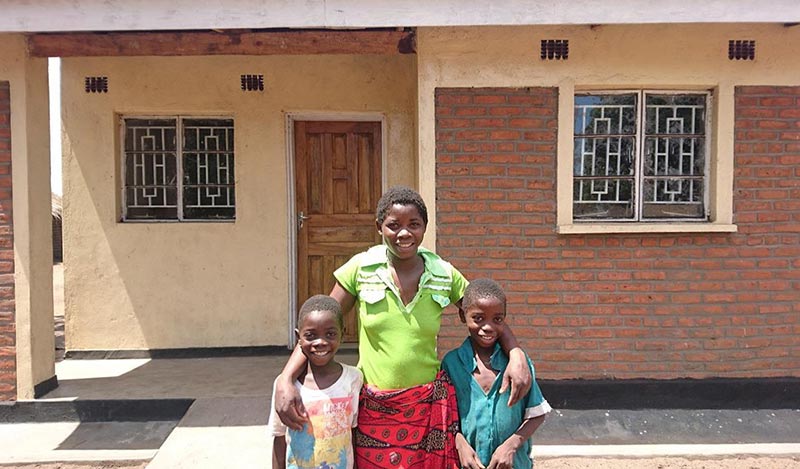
(117, 15)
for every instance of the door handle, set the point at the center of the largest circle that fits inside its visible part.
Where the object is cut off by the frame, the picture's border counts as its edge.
(300, 219)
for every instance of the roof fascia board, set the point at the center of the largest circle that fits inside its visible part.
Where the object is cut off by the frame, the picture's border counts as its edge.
(148, 15)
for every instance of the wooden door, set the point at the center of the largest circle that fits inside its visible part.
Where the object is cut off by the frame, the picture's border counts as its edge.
(338, 184)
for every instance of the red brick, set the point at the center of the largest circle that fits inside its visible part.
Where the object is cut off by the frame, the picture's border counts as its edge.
(679, 293)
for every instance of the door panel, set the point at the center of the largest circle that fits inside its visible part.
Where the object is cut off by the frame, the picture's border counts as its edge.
(337, 186)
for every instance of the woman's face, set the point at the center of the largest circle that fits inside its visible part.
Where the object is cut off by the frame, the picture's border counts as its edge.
(402, 231)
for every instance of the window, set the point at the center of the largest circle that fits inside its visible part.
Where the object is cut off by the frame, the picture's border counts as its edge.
(640, 156)
(171, 178)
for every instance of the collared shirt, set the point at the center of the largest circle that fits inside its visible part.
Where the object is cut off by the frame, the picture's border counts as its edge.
(397, 342)
(486, 419)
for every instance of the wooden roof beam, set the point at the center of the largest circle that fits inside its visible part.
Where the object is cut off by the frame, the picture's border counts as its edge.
(292, 42)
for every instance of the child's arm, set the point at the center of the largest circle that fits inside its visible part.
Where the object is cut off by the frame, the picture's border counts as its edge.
(466, 454)
(279, 452)
(503, 457)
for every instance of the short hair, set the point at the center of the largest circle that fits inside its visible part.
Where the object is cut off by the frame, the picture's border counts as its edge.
(320, 303)
(401, 195)
(482, 288)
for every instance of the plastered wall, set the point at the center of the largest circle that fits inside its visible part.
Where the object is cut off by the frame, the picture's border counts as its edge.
(26, 195)
(179, 285)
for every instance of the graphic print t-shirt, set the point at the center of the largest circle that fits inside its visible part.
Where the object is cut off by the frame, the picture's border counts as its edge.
(325, 441)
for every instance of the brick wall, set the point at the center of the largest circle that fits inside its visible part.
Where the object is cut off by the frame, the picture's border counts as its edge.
(623, 306)
(8, 377)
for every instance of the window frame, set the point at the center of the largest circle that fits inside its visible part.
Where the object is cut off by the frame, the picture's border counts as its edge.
(179, 155)
(640, 138)
(720, 144)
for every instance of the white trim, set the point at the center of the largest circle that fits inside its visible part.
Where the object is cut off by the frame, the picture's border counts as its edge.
(538, 411)
(639, 227)
(102, 15)
(332, 116)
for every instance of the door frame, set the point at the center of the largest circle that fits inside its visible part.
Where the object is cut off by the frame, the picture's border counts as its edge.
(329, 116)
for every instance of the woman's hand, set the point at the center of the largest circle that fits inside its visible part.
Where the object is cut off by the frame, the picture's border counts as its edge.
(466, 454)
(288, 404)
(517, 376)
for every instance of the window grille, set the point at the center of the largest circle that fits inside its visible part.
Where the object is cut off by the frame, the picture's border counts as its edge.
(171, 178)
(640, 156)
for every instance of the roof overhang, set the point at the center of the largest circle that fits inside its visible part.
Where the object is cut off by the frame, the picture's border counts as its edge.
(149, 15)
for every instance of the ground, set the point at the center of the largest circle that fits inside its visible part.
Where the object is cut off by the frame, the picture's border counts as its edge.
(732, 462)
(81, 465)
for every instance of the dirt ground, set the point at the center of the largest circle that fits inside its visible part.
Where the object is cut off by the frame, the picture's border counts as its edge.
(740, 462)
(81, 465)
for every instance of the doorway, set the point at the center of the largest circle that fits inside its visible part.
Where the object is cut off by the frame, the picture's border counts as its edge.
(337, 181)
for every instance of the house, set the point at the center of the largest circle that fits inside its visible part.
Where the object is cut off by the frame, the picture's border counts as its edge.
(629, 173)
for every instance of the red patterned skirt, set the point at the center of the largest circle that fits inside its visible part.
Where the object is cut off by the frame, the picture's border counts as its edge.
(412, 428)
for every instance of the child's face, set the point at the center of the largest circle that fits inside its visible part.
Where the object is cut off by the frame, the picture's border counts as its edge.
(319, 336)
(402, 230)
(485, 320)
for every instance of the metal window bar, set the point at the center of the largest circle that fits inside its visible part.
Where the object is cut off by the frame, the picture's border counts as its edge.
(640, 140)
(212, 182)
(683, 129)
(159, 170)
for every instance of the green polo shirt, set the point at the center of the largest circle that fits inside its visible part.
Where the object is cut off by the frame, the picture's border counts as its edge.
(397, 342)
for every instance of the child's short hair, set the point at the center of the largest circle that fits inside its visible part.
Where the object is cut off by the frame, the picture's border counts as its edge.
(400, 195)
(320, 303)
(482, 288)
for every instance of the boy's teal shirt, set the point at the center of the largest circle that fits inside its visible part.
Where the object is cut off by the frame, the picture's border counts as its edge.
(486, 419)
(397, 342)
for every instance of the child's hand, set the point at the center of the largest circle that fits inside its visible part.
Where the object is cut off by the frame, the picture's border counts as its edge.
(466, 455)
(503, 457)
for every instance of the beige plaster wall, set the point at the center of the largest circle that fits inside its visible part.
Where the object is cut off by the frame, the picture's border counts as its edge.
(603, 57)
(33, 255)
(176, 285)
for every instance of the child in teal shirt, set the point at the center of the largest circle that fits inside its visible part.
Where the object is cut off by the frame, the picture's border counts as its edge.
(492, 434)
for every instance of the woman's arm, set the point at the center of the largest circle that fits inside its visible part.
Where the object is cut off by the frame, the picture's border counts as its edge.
(288, 403)
(518, 373)
(345, 298)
